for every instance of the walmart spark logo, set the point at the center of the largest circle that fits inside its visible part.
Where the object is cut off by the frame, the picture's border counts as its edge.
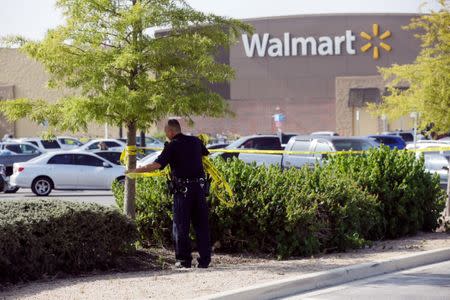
(381, 38)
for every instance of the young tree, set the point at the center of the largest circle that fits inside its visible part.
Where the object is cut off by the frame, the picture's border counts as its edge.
(428, 76)
(127, 72)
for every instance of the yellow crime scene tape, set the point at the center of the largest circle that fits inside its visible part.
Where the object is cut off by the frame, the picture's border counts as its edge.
(251, 151)
(219, 183)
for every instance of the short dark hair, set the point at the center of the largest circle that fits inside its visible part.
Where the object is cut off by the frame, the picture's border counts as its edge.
(174, 124)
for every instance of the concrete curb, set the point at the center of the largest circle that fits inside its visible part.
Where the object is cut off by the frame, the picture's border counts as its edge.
(308, 282)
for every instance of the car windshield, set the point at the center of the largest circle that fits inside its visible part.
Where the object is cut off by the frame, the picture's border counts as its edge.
(386, 140)
(236, 143)
(286, 137)
(111, 156)
(216, 146)
(407, 137)
(71, 142)
(50, 144)
(150, 158)
(357, 145)
(148, 141)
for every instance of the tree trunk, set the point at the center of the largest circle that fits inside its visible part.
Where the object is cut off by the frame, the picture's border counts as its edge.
(142, 144)
(129, 206)
(447, 208)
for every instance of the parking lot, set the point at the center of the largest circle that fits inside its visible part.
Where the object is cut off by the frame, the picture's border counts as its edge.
(99, 197)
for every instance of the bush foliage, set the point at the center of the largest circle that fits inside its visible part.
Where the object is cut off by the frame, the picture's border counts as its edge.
(48, 237)
(410, 198)
(340, 205)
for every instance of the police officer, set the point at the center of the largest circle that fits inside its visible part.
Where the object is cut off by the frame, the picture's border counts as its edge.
(184, 155)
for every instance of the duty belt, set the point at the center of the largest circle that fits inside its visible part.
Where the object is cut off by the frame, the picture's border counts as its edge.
(180, 185)
(189, 180)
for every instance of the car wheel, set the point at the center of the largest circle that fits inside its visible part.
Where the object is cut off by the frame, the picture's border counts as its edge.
(42, 186)
(3, 185)
(11, 189)
(121, 180)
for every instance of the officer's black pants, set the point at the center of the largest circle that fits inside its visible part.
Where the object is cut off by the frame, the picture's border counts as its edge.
(186, 208)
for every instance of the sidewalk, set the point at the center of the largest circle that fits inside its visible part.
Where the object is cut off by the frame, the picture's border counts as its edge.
(227, 272)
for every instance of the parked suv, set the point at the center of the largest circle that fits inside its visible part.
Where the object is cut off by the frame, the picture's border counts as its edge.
(12, 152)
(391, 141)
(20, 148)
(43, 145)
(254, 142)
(407, 136)
(259, 142)
(112, 144)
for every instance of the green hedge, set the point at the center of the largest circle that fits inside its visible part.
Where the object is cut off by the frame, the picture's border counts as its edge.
(295, 212)
(46, 237)
(410, 198)
(341, 205)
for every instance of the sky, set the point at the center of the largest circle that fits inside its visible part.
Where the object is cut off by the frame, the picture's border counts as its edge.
(32, 18)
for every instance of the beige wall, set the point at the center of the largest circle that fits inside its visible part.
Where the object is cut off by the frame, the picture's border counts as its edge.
(29, 80)
(404, 123)
(6, 92)
(345, 115)
(366, 124)
(346, 123)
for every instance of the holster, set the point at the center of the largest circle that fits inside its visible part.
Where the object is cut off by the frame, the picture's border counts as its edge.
(176, 186)
(171, 186)
(206, 186)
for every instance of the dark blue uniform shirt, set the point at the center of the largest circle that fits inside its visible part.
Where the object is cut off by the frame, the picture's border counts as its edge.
(184, 155)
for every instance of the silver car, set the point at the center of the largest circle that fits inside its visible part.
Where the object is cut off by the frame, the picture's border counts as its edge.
(3, 183)
(437, 164)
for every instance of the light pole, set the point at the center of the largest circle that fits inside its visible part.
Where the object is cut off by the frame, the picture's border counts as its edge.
(415, 115)
(357, 122)
(106, 131)
(447, 208)
(384, 119)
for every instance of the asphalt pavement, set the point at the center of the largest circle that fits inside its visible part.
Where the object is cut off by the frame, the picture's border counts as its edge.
(99, 197)
(426, 282)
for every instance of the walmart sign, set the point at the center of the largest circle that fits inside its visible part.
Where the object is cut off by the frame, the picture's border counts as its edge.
(263, 45)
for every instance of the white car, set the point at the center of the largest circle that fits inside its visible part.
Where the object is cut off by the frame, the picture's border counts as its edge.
(109, 155)
(66, 170)
(150, 142)
(429, 144)
(112, 144)
(68, 143)
(43, 145)
(438, 147)
(148, 159)
(437, 164)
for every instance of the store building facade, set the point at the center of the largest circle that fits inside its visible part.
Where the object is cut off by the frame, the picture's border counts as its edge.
(319, 71)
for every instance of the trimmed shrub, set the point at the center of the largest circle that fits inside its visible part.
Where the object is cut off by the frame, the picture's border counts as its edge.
(296, 212)
(340, 205)
(411, 199)
(42, 237)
